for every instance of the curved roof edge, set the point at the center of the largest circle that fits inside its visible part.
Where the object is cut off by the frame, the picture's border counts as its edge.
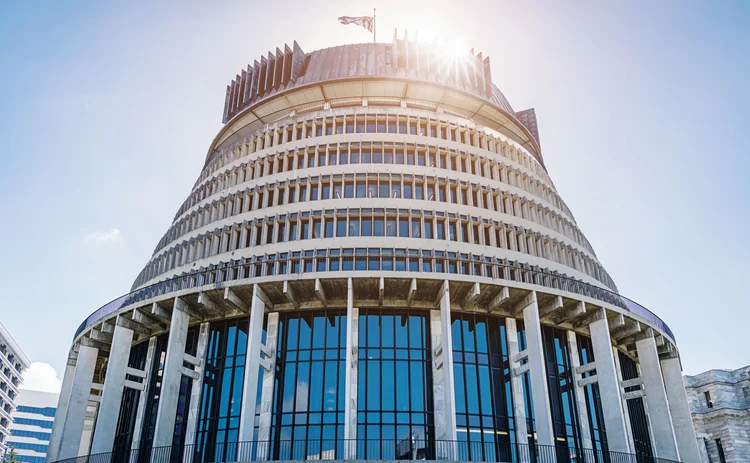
(292, 68)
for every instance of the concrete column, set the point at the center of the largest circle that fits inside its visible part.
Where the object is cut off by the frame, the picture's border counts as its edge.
(195, 391)
(266, 397)
(78, 401)
(62, 410)
(687, 444)
(516, 388)
(84, 448)
(537, 372)
(665, 445)
(114, 384)
(172, 375)
(143, 396)
(442, 374)
(252, 364)
(626, 411)
(609, 387)
(580, 396)
(352, 357)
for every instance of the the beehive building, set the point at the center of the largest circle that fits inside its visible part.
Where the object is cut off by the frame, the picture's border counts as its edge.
(373, 264)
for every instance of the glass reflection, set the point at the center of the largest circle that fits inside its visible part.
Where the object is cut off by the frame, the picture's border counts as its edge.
(395, 415)
(561, 385)
(593, 399)
(129, 407)
(308, 423)
(221, 394)
(484, 408)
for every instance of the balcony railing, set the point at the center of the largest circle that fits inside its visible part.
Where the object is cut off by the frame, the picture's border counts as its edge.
(371, 449)
(500, 269)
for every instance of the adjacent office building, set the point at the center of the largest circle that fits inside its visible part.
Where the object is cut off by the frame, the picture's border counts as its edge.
(13, 362)
(32, 425)
(720, 405)
(373, 263)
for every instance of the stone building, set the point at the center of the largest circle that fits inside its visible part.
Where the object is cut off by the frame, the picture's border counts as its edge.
(374, 264)
(720, 405)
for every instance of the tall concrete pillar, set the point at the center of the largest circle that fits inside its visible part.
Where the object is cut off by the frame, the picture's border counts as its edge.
(252, 364)
(172, 376)
(266, 396)
(143, 396)
(609, 387)
(62, 410)
(664, 443)
(580, 395)
(114, 384)
(537, 372)
(687, 444)
(352, 355)
(516, 388)
(442, 375)
(195, 390)
(78, 402)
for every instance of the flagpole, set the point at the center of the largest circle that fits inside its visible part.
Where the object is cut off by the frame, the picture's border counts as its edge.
(374, 27)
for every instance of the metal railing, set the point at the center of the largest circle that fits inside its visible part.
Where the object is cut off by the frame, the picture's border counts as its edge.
(273, 265)
(366, 449)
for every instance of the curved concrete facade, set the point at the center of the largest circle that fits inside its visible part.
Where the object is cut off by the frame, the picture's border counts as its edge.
(362, 178)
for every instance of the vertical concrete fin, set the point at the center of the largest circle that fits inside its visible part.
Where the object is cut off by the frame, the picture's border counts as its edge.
(255, 91)
(225, 117)
(298, 61)
(537, 371)
(270, 68)
(278, 73)
(172, 376)
(114, 384)
(287, 74)
(687, 444)
(665, 445)
(262, 76)
(78, 401)
(609, 386)
(250, 385)
(243, 87)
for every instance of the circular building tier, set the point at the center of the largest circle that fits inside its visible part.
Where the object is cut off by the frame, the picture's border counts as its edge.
(373, 264)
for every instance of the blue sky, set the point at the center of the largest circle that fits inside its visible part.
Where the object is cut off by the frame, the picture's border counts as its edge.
(108, 110)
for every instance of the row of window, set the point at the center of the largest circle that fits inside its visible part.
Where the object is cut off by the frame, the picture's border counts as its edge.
(41, 448)
(46, 411)
(11, 358)
(376, 121)
(376, 153)
(32, 422)
(45, 436)
(380, 223)
(371, 186)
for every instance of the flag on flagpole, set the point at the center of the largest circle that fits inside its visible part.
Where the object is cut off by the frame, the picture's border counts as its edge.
(364, 21)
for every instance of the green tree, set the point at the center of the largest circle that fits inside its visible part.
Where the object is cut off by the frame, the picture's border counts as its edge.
(10, 456)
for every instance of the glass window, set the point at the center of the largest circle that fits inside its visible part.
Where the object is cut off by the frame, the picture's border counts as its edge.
(484, 408)
(428, 229)
(561, 385)
(395, 419)
(221, 394)
(593, 399)
(308, 421)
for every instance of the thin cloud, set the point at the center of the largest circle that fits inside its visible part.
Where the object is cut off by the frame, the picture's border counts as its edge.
(41, 377)
(99, 238)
